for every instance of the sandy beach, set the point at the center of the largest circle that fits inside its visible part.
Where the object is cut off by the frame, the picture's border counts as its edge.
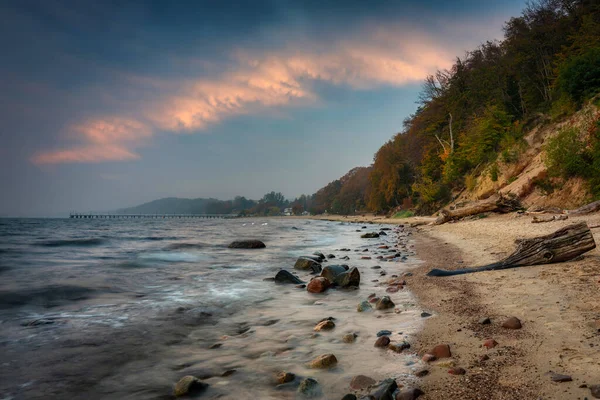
(558, 305)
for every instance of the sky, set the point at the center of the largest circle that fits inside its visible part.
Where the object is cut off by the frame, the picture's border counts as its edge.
(107, 104)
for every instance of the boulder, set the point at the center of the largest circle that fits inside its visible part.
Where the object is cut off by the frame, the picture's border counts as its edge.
(318, 285)
(247, 244)
(348, 278)
(189, 385)
(332, 271)
(323, 361)
(384, 303)
(512, 323)
(284, 276)
(360, 382)
(370, 235)
(309, 388)
(308, 264)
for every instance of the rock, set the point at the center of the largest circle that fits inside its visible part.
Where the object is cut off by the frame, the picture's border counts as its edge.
(428, 358)
(331, 272)
(384, 303)
(319, 254)
(360, 382)
(399, 347)
(512, 323)
(348, 278)
(370, 235)
(324, 361)
(307, 264)
(345, 258)
(189, 385)
(229, 372)
(285, 377)
(425, 315)
(383, 247)
(484, 357)
(330, 255)
(303, 286)
(384, 333)
(349, 337)
(422, 373)
(383, 341)
(247, 244)
(490, 344)
(384, 390)
(284, 276)
(365, 258)
(560, 377)
(326, 325)
(374, 300)
(595, 390)
(349, 396)
(485, 321)
(441, 351)
(409, 394)
(318, 285)
(457, 371)
(309, 388)
(382, 233)
(376, 267)
(364, 306)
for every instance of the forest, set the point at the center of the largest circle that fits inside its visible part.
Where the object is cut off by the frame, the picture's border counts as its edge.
(475, 114)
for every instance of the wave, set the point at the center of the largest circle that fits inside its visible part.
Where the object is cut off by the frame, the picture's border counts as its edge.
(47, 296)
(173, 257)
(72, 242)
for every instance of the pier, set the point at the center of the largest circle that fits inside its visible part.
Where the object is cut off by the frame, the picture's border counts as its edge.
(155, 216)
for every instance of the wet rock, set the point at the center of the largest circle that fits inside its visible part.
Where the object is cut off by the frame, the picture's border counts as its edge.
(374, 300)
(384, 303)
(409, 394)
(382, 233)
(345, 258)
(324, 361)
(384, 390)
(595, 391)
(360, 382)
(485, 321)
(399, 347)
(330, 255)
(425, 315)
(349, 396)
(383, 341)
(348, 278)
(560, 377)
(307, 264)
(349, 338)
(365, 258)
(331, 272)
(247, 244)
(364, 306)
(303, 286)
(370, 235)
(490, 344)
(284, 276)
(189, 385)
(326, 325)
(384, 247)
(319, 254)
(441, 351)
(285, 377)
(318, 285)
(512, 323)
(376, 267)
(384, 333)
(457, 371)
(309, 388)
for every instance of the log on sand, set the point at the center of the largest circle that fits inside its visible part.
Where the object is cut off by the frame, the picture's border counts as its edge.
(497, 203)
(563, 245)
(537, 220)
(587, 209)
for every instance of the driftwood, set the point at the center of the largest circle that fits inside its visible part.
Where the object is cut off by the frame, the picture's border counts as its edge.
(587, 209)
(537, 220)
(562, 245)
(496, 203)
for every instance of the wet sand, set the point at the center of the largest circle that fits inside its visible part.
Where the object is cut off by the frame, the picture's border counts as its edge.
(558, 305)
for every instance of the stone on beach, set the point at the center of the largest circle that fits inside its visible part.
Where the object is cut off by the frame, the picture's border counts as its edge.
(370, 235)
(318, 285)
(309, 388)
(349, 338)
(189, 385)
(326, 325)
(332, 271)
(382, 341)
(595, 391)
(560, 377)
(324, 361)
(457, 371)
(490, 344)
(512, 323)
(285, 377)
(384, 303)
(284, 276)
(360, 382)
(441, 351)
(364, 306)
(247, 244)
(384, 390)
(399, 347)
(409, 394)
(485, 321)
(304, 264)
(348, 278)
(384, 332)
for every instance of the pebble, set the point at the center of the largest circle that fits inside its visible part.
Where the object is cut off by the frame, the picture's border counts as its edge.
(189, 385)
(441, 351)
(360, 382)
(409, 394)
(422, 373)
(560, 377)
(383, 341)
(384, 303)
(309, 388)
(512, 323)
(484, 357)
(425, 315)
(318, 285)
(485, 321)
(324, 361)
(285, 377)
(428, 358)
(457, 371)
(349, 338)
(384, 333)
(490, 344)
(326, 325)
(399, 347)
(364, 306)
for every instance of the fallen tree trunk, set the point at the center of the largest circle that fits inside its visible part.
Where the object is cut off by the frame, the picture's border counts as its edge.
(562, 245)
(496, 203)
(587, 209)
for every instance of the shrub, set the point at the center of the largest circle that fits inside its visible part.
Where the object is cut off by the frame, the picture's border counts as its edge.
(494, 172)
(565, 154)
(404, 214)
(579, 77)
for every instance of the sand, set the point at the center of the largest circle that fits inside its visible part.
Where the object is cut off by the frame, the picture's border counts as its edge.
(558, 304)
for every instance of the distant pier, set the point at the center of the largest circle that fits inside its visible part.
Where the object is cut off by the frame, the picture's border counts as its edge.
(155, 216)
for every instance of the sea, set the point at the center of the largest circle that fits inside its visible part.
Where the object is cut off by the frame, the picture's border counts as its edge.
(124, 308)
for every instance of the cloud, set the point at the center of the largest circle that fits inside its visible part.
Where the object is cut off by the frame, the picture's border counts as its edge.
(252, 80)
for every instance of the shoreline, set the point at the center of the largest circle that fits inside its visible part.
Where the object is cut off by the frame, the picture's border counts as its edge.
(557, 304)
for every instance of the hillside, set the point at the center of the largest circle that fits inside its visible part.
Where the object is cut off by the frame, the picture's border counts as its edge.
(173, 205)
